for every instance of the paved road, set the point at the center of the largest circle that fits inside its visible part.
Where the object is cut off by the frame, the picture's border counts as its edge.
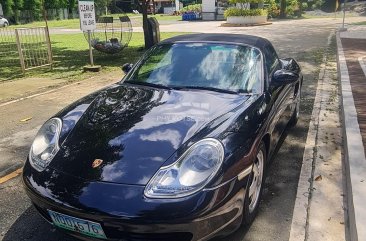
(299, 39)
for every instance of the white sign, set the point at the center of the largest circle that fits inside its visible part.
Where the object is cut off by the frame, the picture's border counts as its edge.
(87, 15)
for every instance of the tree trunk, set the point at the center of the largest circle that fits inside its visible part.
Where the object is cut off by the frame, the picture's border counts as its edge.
(16, 16)
(283, 9)
(145, 27)
(299, 14)
(44, 13)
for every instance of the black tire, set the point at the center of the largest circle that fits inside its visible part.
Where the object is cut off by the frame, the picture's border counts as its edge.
(250, 205)
(296, 114)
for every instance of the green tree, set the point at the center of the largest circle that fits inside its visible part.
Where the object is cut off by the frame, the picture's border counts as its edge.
(101, 5)
(63, 3)
(17, 7)
(71, 5)
(50, 4)
(283, 9)
(56, 4)
(34, 7)
(7, 7)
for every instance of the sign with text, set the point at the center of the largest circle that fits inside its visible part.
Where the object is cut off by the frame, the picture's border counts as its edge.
(87, 15)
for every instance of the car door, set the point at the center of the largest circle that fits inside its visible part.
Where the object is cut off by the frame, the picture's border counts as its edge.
(281, 97)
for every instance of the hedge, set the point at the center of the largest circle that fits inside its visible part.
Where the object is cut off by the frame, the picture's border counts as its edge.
(230, 12)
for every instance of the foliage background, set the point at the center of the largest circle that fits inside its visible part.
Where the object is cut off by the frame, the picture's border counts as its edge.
(290, 8)
(13, 8)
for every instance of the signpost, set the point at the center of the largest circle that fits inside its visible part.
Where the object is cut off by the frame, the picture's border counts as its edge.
(88, 24)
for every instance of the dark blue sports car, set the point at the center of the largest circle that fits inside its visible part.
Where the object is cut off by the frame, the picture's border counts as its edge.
(176, 151)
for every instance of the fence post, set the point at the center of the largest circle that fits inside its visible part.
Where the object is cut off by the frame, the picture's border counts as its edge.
(49, 49)
(21, 57)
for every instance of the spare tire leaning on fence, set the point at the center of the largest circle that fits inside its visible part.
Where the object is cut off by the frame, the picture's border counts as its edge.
(112, 35)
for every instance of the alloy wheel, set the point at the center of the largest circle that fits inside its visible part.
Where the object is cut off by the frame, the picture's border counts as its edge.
(256, 185)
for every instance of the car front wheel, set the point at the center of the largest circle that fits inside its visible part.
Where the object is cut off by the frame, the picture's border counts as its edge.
(255, 186)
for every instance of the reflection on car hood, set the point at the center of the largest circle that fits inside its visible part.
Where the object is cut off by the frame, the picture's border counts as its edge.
(134, 130)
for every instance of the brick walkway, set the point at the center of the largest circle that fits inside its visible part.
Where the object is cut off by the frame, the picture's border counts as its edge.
(353, 50)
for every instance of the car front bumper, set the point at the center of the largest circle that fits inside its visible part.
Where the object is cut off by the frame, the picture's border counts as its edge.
(125, 214)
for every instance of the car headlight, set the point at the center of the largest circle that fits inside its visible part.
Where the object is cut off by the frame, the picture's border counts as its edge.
(45, 145)
(190, 173)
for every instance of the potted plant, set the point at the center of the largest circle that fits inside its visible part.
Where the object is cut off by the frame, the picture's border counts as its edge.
(244, 14)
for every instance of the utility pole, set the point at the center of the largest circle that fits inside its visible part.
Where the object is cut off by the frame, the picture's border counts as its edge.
(344, 16)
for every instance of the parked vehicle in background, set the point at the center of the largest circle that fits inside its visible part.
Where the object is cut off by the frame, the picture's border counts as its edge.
(4, 22)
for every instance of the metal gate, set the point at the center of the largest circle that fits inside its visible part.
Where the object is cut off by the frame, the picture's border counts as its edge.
(27, 48)
(34, 47)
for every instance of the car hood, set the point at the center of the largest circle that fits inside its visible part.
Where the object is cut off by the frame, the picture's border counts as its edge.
(135, 129)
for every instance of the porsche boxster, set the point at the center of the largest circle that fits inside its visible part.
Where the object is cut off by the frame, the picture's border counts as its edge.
(177, 150)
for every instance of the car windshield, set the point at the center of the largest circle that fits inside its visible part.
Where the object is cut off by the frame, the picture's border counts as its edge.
(211, 66)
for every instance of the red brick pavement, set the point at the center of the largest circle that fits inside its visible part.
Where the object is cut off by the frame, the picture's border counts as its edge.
(353, 49)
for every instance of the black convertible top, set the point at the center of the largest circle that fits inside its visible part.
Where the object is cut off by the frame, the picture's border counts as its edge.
(223, 38)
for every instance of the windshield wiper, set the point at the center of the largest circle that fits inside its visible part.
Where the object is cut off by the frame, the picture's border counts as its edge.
(148, 84)
(207, 88)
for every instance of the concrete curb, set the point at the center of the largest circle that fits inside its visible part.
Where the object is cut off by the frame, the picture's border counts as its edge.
(11, 169)
(38, 94)
(362, 61)
(299, 223)
(354, 156)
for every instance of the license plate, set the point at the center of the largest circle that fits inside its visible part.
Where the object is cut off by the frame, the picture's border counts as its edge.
(79, 225)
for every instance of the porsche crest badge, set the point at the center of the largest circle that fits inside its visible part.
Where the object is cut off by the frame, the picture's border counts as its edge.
(97, 162)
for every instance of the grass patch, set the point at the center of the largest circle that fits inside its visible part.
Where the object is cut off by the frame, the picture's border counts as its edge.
(359, 23)
(70, 54)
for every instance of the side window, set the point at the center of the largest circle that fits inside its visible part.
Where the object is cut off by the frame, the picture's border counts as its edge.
(255, 76)
(272, 58)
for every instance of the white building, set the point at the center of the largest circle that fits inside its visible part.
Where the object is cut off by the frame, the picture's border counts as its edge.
(213, 9)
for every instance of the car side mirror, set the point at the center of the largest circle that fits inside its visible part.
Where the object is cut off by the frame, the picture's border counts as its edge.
(283, 77)
(126, 67)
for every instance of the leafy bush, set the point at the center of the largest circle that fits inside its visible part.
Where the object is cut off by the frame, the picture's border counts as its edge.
(192, 8)
(230, 12)
(292, 8)
(305, 6)
(315, 4)
(272, 8)
(245, 1)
